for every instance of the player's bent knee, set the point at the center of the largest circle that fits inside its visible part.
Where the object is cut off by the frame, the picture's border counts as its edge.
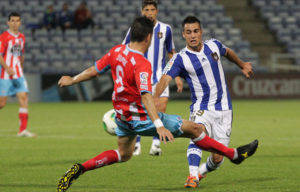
(197, 129)
(2, 104)
(125, 156)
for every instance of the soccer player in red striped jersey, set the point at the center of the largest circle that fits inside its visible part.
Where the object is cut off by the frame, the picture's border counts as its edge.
(135, 108)
(12, 80)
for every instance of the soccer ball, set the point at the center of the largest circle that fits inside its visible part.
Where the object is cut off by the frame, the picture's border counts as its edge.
(109, 123)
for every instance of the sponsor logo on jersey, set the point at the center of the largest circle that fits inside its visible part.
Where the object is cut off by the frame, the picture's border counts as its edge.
(16, 49)
(144, 77)
(144, 87)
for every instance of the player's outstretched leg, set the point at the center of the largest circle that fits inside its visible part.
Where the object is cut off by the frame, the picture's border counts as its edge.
(236, 155)
(69, 177)
(245, 152)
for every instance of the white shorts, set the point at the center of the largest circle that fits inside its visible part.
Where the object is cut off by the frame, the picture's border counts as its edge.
(164, 94)
(218, 124)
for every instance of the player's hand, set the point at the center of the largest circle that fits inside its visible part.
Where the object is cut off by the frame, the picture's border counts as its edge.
(65, 81)
(179, 84)
(164, 134)
(10, 71)
(247, 70)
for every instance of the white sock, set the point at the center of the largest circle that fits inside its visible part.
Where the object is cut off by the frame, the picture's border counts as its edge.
(194, 170)
(155, 142)
(209, 166)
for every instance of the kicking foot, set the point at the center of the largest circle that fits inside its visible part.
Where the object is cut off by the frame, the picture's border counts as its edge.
(69, 177)
(245, 151)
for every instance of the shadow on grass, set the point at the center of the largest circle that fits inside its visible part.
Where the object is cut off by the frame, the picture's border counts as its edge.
(250, 180)
(50, 163)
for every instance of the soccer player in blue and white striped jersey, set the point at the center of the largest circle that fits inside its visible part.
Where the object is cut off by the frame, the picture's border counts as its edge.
(199, 63)
(162, 42)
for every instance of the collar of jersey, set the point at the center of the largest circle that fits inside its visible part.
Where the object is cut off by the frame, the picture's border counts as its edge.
(13, 34)
(195, 52)
(132, 50)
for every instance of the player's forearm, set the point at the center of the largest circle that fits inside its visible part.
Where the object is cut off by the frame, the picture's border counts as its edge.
(232, 56)
(161, 85)
(22, 61)
(148, 102)
(85, 75)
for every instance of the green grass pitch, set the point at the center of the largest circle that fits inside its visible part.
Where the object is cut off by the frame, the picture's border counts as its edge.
(72, 132)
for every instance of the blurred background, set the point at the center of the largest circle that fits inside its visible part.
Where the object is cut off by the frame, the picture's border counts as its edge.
(265, 32)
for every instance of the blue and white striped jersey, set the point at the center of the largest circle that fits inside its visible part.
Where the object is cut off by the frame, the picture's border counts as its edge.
(162, 41)
(204, 74)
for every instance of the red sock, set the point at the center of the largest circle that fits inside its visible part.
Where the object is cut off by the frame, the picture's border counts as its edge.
(209, 144)
(105, 158)
(23, 117)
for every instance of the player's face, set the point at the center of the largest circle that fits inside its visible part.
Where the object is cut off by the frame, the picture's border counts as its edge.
(150, 11)
(192, 33)
(14, 23)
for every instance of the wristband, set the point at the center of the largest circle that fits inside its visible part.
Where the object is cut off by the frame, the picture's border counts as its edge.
(158, 123)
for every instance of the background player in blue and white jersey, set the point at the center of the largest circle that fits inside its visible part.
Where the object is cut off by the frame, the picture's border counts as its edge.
(199, 63)
(162, 42)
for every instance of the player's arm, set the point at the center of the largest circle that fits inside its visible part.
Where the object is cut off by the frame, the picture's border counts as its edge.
(161, 86)
(3, 48)
(170, 45)
(87, 74)
(178, 80)
(163, 133)
(22, 59)
(246, 67)
(9, 70)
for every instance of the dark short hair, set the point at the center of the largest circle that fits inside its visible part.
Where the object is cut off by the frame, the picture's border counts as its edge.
(191, 19)
(140, 28)
(149, 2)
(13, 14)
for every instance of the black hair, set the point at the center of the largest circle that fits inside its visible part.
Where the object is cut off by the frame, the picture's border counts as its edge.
(13, 14)
(191, 19)
(149, 2)
(140, 28)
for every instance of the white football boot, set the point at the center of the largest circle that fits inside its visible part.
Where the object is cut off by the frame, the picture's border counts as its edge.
(26, 133)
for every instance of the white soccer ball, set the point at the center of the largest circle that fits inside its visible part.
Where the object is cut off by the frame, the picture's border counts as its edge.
(109, 123)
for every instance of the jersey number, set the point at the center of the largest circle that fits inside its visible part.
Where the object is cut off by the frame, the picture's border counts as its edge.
(119, 80)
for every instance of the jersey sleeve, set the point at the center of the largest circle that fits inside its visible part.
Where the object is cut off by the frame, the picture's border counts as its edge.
(102, 65)
(222, 48)
(143, 74)
(2, 45)
(127, 38)
(174, 66)
(169, 40)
